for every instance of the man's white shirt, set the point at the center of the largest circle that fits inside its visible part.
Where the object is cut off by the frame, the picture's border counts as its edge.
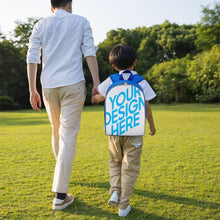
(63, 37)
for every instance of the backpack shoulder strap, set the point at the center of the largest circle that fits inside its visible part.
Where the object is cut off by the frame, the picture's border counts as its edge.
(115, 77)
(137, 78)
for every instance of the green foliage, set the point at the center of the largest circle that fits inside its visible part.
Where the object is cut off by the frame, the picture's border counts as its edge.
(114, 38)
(23, 31)
(188, 79)
(2, 36)
(176, 41)
(170, 80)
(165, 42)
(13, 76)
(208, 30)
(7, 103)
(204, 72)
(164, 55)
(179, 176)
(13, 71)
(149, 51)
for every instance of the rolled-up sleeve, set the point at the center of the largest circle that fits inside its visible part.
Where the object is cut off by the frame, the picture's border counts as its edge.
(34, 48)
(87, 46)
(148, 91)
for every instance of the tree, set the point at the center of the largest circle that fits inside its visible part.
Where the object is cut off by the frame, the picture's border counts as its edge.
(149, 52)
(170, 80)
(177, 40)
(165, 42)
(167, 57)
(2, 36)
(13, 78)
(23, 31)
(208, 31)
(204, 72)
(13, 71)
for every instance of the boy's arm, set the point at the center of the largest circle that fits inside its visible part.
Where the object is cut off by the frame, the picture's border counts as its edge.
(97, 98)
(150, 118)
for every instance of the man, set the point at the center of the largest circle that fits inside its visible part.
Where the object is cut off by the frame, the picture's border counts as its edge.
(63, 37)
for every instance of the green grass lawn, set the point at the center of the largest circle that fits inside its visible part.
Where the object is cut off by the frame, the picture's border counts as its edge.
(179, 177)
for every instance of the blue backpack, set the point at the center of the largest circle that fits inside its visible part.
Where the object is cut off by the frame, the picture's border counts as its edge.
(125, 110)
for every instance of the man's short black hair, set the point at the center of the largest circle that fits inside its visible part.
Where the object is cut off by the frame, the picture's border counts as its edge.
(59, 3)
(122, 56)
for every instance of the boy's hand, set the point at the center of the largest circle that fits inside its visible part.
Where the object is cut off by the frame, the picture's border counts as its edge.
(94, 99)
(153, 130)
(97, 98)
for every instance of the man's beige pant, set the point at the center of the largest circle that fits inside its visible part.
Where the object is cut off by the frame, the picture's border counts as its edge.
(64, 106)
(125, 160)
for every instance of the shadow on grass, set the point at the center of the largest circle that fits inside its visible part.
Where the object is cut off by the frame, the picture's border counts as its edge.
(160, 196)
(94, 108)
(24, 121)
(177, 199)
(82, 208)
(139, 214)
(177, 107)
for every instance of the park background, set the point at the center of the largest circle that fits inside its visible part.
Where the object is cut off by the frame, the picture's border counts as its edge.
(180, 176)
(181, 62)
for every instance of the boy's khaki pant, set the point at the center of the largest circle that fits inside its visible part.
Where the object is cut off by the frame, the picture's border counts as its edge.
(64, 106)
(125, 159)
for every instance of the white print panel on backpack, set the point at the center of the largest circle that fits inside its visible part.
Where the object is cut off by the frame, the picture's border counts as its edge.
(125, 111)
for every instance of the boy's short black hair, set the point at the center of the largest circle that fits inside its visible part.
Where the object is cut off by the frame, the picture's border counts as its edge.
(59, 3)
(122, 56)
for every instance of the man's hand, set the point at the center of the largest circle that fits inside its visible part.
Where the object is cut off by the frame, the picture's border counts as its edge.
(35, 100)
(95, 90)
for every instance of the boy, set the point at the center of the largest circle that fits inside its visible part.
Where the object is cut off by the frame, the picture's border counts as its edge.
(125, 151)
